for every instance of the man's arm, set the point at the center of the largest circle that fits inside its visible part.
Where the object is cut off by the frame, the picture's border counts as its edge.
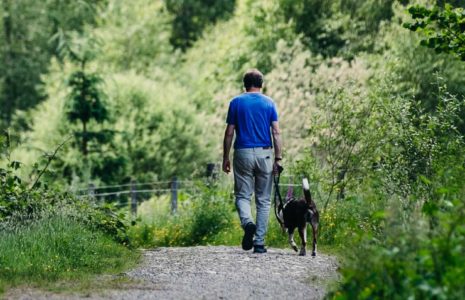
(227, 142)
(278, 156)
(277, 140)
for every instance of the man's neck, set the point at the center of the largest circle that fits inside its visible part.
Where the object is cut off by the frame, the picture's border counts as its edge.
(254, 90)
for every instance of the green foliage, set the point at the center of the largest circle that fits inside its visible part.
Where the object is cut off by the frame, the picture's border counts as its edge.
(47, 235)
(444, 28)
(201, 218)
(347, 136)
(413, 251)
(134, 36)
(30, 34)
(160, 132)
(336, 27)
(414, 259)
(415, 72)
(374, 119)
(58, 248)
(190, 17)
(86, 104)
(24, 203)
(85, 98)
(423, 142)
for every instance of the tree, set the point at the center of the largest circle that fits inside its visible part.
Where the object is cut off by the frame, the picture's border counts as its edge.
(335, 27)
(190, 17)
(86, 97)
(30, 34)
(86, 104)
(443, 28)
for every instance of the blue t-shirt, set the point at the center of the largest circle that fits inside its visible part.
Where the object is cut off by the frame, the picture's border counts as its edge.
(252, 114)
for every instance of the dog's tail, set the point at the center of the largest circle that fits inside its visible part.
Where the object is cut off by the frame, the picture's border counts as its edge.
(307, 194)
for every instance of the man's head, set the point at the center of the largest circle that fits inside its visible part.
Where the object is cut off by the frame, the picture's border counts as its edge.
(253, 78)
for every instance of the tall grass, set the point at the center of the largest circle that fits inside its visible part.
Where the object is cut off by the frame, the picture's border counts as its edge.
(57, 248)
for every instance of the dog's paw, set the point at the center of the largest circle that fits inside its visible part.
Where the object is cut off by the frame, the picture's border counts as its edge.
(314, 253)
(303, 253)
(295, 248)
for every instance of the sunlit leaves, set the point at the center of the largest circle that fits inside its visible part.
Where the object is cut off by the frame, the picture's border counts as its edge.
(444, 29)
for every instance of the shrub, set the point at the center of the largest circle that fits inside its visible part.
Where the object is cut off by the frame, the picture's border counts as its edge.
(416, 252)
(25, 203)
(419, 259)
(201, 218)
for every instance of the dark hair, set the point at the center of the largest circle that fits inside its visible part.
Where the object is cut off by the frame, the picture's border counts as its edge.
(253, 78)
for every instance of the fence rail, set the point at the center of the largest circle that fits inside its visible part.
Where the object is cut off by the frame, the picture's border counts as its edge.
(136, 188)
(133, 189)
(130, 185)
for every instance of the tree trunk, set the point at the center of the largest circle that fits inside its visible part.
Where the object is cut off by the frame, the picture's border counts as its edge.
(84, 139)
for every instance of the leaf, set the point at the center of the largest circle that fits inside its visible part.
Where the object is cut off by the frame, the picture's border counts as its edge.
(424, 180)
(430, 208)
(15, 165)
(379, 215)
(448, 203)
(442, 190)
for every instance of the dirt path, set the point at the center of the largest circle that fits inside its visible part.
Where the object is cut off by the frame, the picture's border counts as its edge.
(215, 273)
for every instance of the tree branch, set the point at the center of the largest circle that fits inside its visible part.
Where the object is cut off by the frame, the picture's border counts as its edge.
(49, 161)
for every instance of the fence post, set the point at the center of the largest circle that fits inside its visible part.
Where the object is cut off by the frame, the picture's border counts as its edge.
(174, 195)
(91, 190)
(133, 198)
(210, 170)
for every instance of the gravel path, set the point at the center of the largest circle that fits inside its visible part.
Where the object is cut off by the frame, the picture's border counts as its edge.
(217, 273)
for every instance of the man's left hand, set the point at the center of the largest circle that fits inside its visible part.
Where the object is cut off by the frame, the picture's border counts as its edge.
(226, 166)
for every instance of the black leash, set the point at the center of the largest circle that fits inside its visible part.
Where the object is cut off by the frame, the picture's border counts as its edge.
(277, 193)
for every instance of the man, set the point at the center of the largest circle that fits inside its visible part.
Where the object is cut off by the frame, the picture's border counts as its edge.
(254, 119)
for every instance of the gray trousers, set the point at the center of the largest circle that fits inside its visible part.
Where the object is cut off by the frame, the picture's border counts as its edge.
(253, 169)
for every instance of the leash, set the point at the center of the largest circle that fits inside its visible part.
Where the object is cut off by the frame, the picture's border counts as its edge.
(277, 194)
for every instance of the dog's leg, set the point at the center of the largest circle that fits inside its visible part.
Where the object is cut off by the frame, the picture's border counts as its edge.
(303, 238)
(315, 234)
(290, 231)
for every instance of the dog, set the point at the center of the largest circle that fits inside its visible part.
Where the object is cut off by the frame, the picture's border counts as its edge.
(296, 213)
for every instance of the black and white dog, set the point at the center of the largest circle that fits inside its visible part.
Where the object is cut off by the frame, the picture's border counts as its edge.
(296, 213)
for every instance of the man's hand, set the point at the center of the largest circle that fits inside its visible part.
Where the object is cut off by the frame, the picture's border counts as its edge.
(277, 168)
(226, 166)
(228, 138)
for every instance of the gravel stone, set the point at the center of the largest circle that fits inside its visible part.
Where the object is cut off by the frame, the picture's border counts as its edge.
(219, 272)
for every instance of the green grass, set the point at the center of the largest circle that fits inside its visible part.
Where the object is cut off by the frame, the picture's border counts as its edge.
(58, 249)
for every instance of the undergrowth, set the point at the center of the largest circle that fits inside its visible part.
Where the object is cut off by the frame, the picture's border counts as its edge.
(58, 249)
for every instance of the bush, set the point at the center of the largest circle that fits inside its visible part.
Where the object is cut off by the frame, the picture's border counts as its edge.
(417, 259)
(416, 249)
(201, 218)
(47, 235)
(21, 204)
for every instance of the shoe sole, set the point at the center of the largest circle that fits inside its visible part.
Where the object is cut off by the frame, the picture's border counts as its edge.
(247, 240)
(260, 251)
